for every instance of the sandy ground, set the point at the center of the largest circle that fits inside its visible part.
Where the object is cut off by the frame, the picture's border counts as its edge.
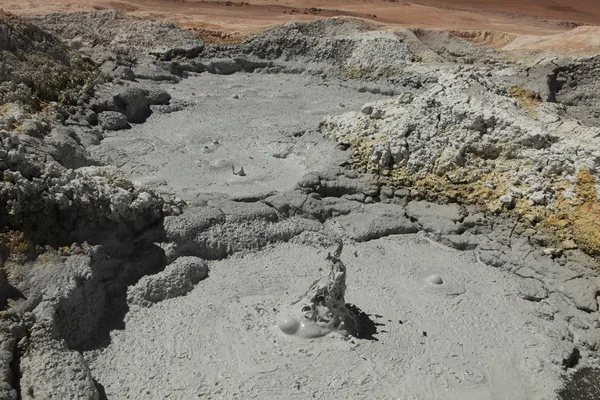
(539, 17)
(539, 25)
(260, 129)
(220, 341)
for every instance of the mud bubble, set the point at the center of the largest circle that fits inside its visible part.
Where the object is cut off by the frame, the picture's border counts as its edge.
(437, 283)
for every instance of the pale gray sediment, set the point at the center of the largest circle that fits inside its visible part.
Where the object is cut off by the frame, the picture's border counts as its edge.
(459, 303)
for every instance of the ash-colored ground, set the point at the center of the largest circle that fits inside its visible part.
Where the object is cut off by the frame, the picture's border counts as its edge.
(263, 123)
(221, 340)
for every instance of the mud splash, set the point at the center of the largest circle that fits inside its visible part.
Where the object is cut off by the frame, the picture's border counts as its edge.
(323, 309)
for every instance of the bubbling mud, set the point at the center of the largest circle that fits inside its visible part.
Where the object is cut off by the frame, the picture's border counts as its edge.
(220, 163)
(435, 283)
(305, 328)
(211, 147)
(435, 280)
(472, 375)
(322, 309)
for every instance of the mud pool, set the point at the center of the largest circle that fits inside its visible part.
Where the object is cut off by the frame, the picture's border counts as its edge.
(221, 340)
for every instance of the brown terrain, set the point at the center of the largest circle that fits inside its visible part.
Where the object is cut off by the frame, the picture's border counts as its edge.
(536, 24)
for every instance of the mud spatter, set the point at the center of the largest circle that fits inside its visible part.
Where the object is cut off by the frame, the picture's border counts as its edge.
(322, 310)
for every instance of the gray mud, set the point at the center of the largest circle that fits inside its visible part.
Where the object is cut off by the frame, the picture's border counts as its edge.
(266, 124)
(221, 340)
(139, 261)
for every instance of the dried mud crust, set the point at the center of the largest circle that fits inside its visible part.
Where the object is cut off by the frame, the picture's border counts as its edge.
(513, 157)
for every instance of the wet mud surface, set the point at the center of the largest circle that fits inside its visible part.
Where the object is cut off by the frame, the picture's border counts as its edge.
(221, 340)
(265, 124)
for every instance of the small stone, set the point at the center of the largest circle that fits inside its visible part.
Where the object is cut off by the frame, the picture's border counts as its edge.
(175, 211)
(124, 73)
(367, 109)
(551, 251)
(508, 200)
(112, 121)
(538, 198)
(569, 245)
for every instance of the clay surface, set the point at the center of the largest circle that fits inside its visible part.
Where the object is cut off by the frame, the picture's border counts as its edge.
(222, 339)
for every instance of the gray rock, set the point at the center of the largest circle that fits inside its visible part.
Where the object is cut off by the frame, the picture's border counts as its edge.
(91, 117)
(538, 198)
(508, 200)
(367, 109)
(177, 279)
(124, 73)
(67, 149)
(133, 103)
(90, 137)
(154, 73)
(113, 121)
(33, 127)
(590, 338)
(158, 97)
(583, 292)
(223, 66)
(167, 54)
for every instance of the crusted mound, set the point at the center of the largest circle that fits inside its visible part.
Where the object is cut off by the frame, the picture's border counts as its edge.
(347, 45)
(467, 139)
(36, 67)
(113, 30)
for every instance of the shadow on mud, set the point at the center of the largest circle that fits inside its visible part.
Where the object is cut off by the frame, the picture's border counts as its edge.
(367, 328)
(101, 390)
(583, 385)
(87, 318)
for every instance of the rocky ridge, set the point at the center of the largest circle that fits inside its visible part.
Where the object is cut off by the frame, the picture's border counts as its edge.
(467, 139)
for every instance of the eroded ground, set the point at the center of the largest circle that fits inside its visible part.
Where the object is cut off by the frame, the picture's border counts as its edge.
(139, 261)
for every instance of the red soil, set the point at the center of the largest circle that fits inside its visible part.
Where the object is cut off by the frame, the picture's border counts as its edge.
(520, 17)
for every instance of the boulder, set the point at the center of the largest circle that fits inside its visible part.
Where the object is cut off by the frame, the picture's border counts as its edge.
(113, 121)
(133, 103)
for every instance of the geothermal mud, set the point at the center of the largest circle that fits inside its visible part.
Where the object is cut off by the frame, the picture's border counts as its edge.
(163, 221)
(221, 340)
(266, 124)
